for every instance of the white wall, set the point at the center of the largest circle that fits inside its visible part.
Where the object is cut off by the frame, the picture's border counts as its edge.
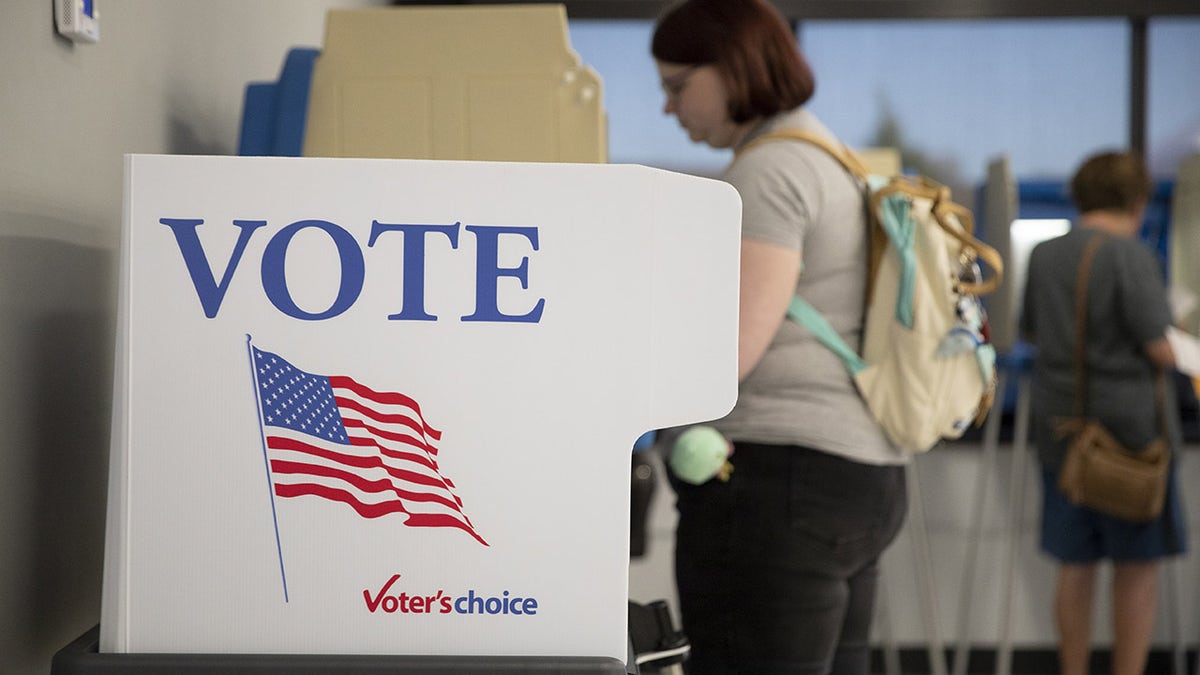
(166, 77)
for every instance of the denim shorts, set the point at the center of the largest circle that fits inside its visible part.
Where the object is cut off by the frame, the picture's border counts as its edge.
(1077, 534)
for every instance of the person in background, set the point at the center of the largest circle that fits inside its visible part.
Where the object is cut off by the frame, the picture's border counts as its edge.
(1128, 315)
(777, 567)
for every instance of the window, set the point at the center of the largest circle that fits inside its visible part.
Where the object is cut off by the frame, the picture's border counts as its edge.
(1173, 108)
(953, 93)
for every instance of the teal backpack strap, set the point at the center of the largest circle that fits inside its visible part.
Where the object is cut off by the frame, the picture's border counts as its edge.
(806, 315)
(895, 216)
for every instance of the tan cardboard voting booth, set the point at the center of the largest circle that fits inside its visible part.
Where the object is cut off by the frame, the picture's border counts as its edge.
(386, 406)
(493, 82)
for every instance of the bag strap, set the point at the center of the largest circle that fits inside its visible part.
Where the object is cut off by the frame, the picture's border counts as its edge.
(806, 315)
(1082, 277)
(845, 156)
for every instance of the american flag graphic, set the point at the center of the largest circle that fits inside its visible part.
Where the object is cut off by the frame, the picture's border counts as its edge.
(331, 437)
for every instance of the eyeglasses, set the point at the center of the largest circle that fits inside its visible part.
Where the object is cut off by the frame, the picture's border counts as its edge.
(673, 85)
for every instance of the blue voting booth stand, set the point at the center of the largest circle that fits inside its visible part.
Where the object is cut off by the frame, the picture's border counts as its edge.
(348, 404)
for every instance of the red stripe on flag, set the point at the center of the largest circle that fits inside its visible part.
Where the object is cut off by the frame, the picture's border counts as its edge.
(377, 486)
(429, 450)
(414, 457)
(345, 404)
(373, 462)
(423, 460)
(374, 510)
(386, 398)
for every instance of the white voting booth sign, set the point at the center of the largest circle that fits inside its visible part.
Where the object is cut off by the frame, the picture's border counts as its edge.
(387, 406)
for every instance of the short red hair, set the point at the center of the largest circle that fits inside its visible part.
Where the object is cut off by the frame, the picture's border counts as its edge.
(752, 47)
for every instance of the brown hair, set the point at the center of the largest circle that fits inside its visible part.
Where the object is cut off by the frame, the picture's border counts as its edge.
(751, 45)
(1111, 181)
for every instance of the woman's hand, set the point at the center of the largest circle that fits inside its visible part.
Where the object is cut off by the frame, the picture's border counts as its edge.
(1159, 352)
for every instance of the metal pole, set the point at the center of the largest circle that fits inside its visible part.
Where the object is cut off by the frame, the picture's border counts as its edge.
(1016, 492)
(1137, 84)
(883, 614)
(924, 570)
(987, 464)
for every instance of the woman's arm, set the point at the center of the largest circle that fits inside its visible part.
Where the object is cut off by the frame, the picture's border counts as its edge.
(768, 281)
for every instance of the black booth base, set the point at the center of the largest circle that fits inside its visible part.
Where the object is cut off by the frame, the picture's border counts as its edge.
(82, 657)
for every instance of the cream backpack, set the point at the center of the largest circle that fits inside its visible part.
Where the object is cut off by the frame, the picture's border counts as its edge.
(927, 369)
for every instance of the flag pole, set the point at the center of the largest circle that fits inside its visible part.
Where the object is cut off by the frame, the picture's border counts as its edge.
(266, 463)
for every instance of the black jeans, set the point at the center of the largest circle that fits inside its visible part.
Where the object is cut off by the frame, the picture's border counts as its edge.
(777, 568)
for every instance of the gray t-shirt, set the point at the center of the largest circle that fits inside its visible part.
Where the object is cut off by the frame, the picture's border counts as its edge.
(795, 195)
(1127, 307)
